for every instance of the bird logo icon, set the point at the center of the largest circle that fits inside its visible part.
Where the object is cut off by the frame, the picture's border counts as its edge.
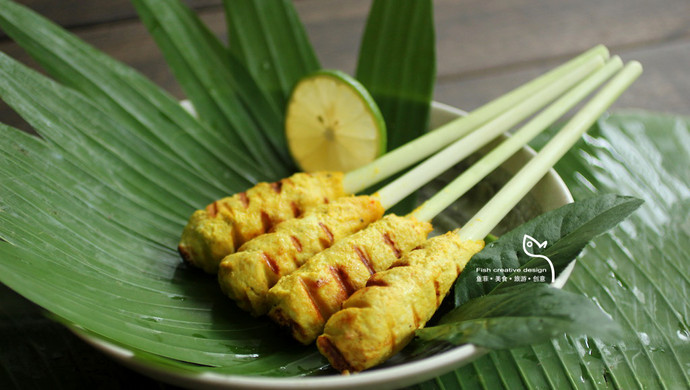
(528, 244)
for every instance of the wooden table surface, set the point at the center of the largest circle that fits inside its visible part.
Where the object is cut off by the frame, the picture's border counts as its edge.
(484, 47)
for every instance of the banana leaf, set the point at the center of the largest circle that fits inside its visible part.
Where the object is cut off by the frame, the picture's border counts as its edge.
(637, 273)
(89, 225)
(222, 91)
(402, 80)
(153, 116)
(269, 39)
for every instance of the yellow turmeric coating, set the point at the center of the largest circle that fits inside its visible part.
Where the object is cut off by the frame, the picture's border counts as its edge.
(379, 320)
(246, 275)
(215, 232)
(306, 298)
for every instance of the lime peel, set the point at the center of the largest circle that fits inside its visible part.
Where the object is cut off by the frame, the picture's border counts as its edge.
(333, 123)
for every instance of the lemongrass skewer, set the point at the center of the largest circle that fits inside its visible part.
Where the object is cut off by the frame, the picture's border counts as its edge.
(517, 140)
(383, 316)
(424, 146)
(491, 214)
(465, 146)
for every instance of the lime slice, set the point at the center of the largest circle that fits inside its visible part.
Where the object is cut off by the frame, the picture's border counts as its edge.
(332, 123)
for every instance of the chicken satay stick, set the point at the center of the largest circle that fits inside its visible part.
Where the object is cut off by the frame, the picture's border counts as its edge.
(247, 275)
(379, 320)
(305, 299)
(224, 225)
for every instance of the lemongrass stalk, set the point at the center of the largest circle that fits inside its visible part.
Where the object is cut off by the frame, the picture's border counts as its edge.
(441, 161)
(498, 207)
(515, 142)
(414, 151)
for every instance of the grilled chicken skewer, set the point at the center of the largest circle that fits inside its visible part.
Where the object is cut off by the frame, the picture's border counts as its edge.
(305, 299)
(247, 275)
(224, 225)
(379, 320)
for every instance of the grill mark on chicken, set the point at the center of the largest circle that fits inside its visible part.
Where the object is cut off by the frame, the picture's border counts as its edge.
(184, 253)
(336, 358)
(364, 258)
(272, 265)
(389, 241)
(266, 222)
(296, 243)
(374, 281)
(244, 199)
(343, 279)
(296, 210)
(416, 317)
(277, 186)
(329, 234)
(307, 286)
(437, 289)
(212, 209)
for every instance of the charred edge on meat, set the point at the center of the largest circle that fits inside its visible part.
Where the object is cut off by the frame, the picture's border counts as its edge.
(242, 196)
(363, 256)
(336, 358)
(374, 281)
(296, 242)
(320, 310)
(212, 209)
(277, 186)
(186, 256)
(296, 210)
(343, 280)
(266, 221)
(389, 241)
(329, 235)
(271, 263)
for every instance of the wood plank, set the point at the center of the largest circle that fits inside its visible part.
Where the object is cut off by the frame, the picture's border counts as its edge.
(335, 29)
(70, 13)
(475, 62)
(475, 36)
(664, 86)
(478, 36)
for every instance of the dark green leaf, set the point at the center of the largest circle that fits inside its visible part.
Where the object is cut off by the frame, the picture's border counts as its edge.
(397, 64)
(221, 90)
(269, 39)
(98, 256)
(567, 230)
(95, 142)
(636, 272)
(112, 268)
(150, 114)
(520, 315)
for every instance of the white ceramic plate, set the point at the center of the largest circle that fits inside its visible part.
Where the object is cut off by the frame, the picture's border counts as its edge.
(548, 194)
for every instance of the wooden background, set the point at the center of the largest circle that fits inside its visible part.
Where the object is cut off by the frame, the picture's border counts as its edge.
(485, 48)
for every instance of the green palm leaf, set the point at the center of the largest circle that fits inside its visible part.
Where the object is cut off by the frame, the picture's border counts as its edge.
(637, 272)
(152, 115)
(89, 223)
(222, 91)
(269, 39)
(402, 80)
